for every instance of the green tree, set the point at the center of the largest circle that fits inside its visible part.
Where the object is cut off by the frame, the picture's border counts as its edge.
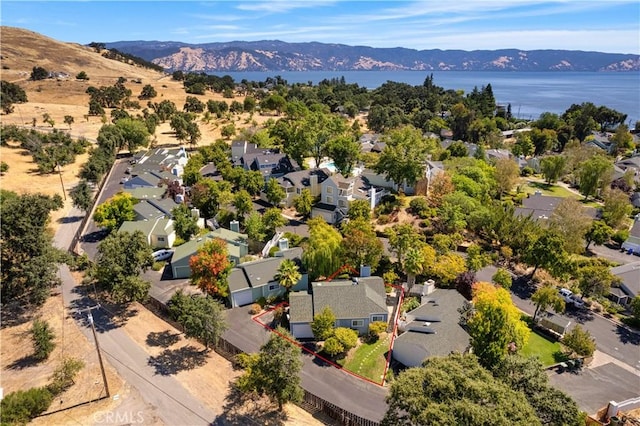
(322, 255)
(547, 251)
(570, 220)
(545, 297)
(502, 277)
(553, 167)
(594, 174)
(495, 325)
(4, 167)
(82, 196)
(595, 280)
(345, 151)
(184, 223)
(288, 274)
(527, 375)
(401, 238)
(201, 316)
(447, 267)
(304, 202)
(38, 73)
(599, 233)
(323, 324)
(635, 308)
(148, 92)
(622, 140)
(210, 268)
(402, 159)
(359, 209)
(523, 145)
(64, 375)
(506, 175)
(254, 227)
(414, 264)
(68, 120)
(476, 258)
(454, 390)
(274, 192)
(580, 341)
(43, 339)
(28, 258)
(243, 203)
(20, 407)
(115, 211)
(120, 260)
(134, 133)
(273, 219)
(617, 208)
(275, 371)
(228, 131)
(347, 337)
(360, 244)
(11, 93)
(82, 75)
(332, 346)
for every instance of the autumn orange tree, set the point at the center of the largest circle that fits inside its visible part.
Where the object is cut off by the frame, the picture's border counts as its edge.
(211, 267)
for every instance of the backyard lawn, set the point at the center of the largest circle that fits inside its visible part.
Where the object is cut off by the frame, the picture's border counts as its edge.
(547, 351)
(368, 360)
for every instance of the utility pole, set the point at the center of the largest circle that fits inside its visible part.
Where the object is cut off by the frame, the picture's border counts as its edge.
(95, 338)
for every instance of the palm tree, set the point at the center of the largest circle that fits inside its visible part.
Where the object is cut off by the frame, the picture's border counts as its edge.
(288, 274)
(413, 265)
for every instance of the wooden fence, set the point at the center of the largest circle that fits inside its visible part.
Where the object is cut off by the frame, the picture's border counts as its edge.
(310, 402)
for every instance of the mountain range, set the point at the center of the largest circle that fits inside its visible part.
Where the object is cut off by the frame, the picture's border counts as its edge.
(274, 55)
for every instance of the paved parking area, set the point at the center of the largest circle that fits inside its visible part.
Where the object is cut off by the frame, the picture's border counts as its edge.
(593, 388)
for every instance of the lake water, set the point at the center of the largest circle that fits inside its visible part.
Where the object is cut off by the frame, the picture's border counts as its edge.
(529, 93)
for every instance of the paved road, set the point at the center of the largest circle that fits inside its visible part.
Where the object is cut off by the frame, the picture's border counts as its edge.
(164, 397)
(616, 340)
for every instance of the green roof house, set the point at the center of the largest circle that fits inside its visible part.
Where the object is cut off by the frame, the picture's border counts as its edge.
(236, 248)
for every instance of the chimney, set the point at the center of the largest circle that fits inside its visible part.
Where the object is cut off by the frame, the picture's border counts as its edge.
(234, 226)
(283, 244)
(365, 271)
(372, 197)
(313, 179)
(195, 213)
(429, 287)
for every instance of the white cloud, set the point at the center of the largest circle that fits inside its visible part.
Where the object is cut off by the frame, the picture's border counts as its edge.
(279, 6)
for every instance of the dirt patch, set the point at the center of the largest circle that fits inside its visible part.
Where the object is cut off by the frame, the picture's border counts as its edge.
(20, 373)
(208, 376)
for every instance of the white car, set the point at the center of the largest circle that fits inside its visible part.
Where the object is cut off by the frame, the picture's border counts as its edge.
(163, 254)
(566, 294)
(577, 301)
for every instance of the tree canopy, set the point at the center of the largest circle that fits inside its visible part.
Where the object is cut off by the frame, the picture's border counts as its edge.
(201, 316)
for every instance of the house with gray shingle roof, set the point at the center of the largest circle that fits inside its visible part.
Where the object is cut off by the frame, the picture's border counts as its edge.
(294, 182)
(355, 304)
(250, 281)
(632, 243)
(159, 232)
(432, 329)
(541, 207)
(629, 288)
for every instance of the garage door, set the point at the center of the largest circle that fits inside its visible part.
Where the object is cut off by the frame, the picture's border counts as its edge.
(301, 331)
(242, 298)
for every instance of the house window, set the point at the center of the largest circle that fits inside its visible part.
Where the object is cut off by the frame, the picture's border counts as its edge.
(329, 190)
(329, 200)
(273, 287)
(357, 323)
(298, 191)
(375, 318)
(342, 203)
(161, 239)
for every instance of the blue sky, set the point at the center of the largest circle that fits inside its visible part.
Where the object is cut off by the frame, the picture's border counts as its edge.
(598, 25)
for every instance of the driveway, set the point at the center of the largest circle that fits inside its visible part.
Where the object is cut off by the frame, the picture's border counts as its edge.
(329, 383)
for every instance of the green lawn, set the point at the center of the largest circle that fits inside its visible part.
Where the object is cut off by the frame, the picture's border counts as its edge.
(554, 190)
(368, 360)
(547, 351)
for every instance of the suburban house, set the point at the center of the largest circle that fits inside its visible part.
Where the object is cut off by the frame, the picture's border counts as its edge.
(337, 192)
(632, 243)
(541, 207)
(355, 303)
(237, 248)
(252, 280)
(152, 167)
(632, 164)
(432, 329)
(240, 148)
(270, 163)
(629, 288)
(294, 182)
(158, 232)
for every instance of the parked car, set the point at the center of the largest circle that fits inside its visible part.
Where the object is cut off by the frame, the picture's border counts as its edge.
(124, 179)
(163, 254)
(577, 301)
(567, 295)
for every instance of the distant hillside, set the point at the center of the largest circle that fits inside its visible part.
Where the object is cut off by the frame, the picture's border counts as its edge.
(281, 56)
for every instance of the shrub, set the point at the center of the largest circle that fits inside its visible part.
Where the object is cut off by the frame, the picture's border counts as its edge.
(42, 337)
(419, 207)
(503, 278)
(527, 171)
(383, 219)
(82, 76)
(347, 337)
(262, 302)
(615, 308)
(410, 303)
(4, 167)
(39, 73)
(64, 376)
(21, 406)
(332, 346)
(157, 266)
(580, 341)
(255, 309)
(377, 327)
(620, 236)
